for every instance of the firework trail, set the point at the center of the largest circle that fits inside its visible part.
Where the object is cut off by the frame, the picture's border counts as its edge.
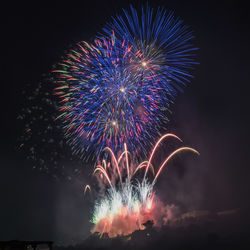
(117, 90)
(129, 201)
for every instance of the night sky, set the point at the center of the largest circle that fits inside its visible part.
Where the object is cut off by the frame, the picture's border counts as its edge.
(212, 115)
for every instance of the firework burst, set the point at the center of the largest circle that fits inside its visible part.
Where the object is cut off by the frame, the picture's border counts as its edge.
(129, 201)
(117, 90)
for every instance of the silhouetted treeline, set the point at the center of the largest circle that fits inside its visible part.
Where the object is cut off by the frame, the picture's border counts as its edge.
(227, 231)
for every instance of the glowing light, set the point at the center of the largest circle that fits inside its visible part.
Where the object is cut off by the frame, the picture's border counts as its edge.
(149, 204)
(122, 89)
(144, 64)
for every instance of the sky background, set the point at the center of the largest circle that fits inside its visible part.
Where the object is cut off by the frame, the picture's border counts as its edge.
(212, 115)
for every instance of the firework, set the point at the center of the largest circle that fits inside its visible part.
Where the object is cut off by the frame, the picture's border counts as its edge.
(117, 90)
(113, 95)
(129, 201)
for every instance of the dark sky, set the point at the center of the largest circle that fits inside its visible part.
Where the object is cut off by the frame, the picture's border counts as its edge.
(211, 115)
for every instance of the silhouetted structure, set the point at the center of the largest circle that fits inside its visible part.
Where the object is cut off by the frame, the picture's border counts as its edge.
(23, 245)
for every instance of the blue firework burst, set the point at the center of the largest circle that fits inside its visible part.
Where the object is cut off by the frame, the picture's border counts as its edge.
(117, 89)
